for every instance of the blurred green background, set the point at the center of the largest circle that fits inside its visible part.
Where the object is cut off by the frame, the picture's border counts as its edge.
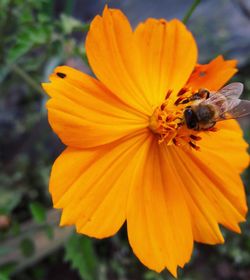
(36, 36)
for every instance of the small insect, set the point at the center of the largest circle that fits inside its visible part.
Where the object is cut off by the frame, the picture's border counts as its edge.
(210, 107)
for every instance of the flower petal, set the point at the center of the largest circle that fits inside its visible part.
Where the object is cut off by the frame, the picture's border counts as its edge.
(84, 113)
(213, 75)
(114, 58)
(228, 144)
(159, 226)
(140, 67)
(169, 55)
(215, 194)
(92, 185)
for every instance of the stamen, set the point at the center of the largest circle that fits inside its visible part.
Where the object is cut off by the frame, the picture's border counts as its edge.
(163, 106)
(182, 100)
(168, 93)
(182, 91)
(195, 137)
(193, 145)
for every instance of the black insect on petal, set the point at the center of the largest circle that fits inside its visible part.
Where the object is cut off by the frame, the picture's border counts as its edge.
(202, 74)
(61, 75)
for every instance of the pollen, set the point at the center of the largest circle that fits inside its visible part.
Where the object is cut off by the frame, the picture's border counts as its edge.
(168, 124)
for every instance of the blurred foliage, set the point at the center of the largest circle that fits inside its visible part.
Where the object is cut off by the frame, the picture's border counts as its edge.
(29, 27)
(80, 253)
(38, 212)
(36, 36)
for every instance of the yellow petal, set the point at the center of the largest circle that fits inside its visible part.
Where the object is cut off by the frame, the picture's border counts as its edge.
(85, 114)
(159, 226)
(213, 75)
(228, 144)
(140, 67)
(114, 58)
(204, 225)
(92, 185)
(217, 191)
(169, 54)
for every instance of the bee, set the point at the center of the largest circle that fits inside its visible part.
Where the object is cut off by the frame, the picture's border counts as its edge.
(210, 107)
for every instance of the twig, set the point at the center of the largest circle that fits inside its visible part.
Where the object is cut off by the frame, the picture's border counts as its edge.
(244, 8)
(42, 244)
(21, 73)
(190, 11)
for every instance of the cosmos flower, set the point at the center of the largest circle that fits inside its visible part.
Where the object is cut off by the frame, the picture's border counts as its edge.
(130, 157)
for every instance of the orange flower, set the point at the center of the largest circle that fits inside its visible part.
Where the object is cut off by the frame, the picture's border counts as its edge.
(130, 157)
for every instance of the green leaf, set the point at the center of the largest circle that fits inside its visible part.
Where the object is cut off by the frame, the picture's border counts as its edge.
(9, 200)
(70, 24)
(38, 212)
(18, 50)
(39, 35)
(79, 252)
(49, 232)
(3, 276)
(27, 39)
(151, 275)
(27, 247)
(6, 270)
(15, 228)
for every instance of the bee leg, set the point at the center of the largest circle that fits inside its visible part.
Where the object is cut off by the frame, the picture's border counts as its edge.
(181, 100)
(212, 124)
(211, 127)
(197, 128)
(203, 93)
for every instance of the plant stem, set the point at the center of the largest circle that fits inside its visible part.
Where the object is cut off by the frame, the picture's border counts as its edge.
(190, 11)
(21, 73)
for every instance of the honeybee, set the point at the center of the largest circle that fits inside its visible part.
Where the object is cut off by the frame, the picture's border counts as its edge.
(210, 107)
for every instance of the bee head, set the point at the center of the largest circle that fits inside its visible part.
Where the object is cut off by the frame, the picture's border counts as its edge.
(190, 118)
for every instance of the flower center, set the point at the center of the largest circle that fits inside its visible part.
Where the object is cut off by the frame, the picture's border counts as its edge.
(168, 122)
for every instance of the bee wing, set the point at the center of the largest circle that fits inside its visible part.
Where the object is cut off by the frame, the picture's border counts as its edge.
(220, 103)
(232, 91)
(241, 109)
(234, 109)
